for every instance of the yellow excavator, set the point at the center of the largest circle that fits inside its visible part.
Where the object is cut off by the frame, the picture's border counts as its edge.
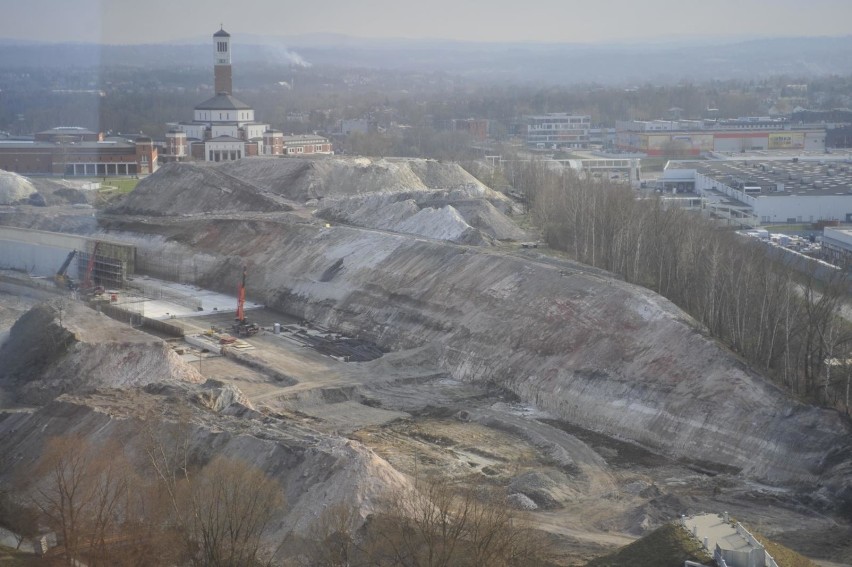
(61, 279)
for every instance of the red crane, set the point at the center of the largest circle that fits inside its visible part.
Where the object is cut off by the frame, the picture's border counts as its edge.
(241, 298)
(87, 281)
(242, 326)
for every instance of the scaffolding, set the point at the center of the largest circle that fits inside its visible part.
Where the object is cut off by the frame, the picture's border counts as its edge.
(108, 272)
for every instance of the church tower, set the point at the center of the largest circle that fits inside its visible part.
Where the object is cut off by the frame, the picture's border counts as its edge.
(222, 66)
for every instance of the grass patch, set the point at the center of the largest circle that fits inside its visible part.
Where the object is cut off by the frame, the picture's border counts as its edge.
(667, 546)
(784, 556)
(113, 188)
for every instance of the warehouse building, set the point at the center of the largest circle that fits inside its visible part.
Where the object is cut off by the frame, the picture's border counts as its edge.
(767, 191)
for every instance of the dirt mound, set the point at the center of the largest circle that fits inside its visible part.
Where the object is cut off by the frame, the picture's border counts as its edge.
(487, 218)
(65, 347)
(461, 215)
(14, 187)
(194, 188)
(547, 489)
(63, 191)
(316, 472)
(275, 184)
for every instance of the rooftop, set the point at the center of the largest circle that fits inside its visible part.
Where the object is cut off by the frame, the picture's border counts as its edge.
(779, 178)
(223, 101)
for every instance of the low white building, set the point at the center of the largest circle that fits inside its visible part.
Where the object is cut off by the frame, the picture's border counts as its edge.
(769, 191)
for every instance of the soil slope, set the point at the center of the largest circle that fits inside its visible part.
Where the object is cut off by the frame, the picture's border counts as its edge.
(64, 347)
(574, 341)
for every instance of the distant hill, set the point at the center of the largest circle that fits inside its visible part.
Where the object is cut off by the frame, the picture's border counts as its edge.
(495, 62)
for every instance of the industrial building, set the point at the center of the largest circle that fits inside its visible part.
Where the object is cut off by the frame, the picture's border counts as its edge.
(75, 151)
(837, 245)
(224, 128)
(767, 191)
(694, 137)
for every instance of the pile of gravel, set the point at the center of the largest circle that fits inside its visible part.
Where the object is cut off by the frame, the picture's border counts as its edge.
(14, 187)
(520, 501)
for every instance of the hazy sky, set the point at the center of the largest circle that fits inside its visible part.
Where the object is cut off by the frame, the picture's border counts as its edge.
(155, 21)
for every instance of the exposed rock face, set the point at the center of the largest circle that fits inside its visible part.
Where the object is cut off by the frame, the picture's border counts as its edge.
(65, 347)
(593, 350)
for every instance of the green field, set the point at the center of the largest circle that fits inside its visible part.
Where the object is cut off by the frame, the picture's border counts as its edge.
(113, 188)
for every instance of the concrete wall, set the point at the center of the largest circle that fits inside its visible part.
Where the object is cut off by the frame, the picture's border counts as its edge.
(41, 253)
(36, 252)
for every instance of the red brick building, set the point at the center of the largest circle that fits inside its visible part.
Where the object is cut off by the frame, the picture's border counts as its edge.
(72, 151)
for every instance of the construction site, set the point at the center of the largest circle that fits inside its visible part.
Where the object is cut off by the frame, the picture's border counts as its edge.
(347, 324)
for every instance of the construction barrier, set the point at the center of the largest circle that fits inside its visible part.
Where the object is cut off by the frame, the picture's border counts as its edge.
(135, 319)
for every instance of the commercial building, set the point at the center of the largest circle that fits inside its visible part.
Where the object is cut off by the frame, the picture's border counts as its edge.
(694, 137)
(557, 131)
(75, 151)
(223, 127)
(767, 191)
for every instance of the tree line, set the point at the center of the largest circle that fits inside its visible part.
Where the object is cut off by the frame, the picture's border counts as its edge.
(173, 510)
(783, 322)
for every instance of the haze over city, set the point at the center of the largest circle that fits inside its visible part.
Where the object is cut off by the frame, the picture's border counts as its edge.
(556, 21)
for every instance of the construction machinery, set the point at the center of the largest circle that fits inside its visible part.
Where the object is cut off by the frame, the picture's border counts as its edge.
(88, 283)
(62, 279)
(242, 327)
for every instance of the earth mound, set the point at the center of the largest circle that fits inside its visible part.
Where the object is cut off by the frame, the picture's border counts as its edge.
(277, 184)
(62, 347)
(14, 188)
(461, 215)
(195, 188)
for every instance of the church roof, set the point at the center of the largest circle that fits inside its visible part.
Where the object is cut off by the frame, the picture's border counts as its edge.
(221, 33)
(224, 139)
(223, 101)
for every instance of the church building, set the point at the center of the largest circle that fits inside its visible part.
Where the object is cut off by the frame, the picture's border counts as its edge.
(223, 127)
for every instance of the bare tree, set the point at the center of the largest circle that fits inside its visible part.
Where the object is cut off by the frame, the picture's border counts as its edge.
(79, 491)
(231, 506)
(222, 509)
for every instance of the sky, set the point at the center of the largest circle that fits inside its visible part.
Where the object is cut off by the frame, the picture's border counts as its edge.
(552, 21)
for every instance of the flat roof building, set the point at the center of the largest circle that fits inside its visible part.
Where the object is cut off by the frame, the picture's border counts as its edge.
(767, 191)
(695, 137)
(75, 151)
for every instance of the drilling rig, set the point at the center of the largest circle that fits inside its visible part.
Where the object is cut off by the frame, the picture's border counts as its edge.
(242, 327)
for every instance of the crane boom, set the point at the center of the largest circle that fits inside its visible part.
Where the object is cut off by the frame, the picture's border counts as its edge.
(87, 282)
(241, 298)
(242, 326)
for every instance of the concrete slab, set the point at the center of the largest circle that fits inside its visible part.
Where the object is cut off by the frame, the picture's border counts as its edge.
(160, 299)
(717, 531)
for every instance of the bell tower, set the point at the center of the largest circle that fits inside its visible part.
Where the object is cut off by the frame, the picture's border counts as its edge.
(222, 62)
